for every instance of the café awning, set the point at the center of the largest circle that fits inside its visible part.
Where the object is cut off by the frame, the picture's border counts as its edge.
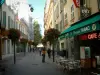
(86, 25)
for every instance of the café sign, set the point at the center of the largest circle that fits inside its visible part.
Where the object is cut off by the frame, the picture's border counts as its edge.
(90, 36)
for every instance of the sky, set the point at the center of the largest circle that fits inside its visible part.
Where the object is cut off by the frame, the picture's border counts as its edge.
(38, 13)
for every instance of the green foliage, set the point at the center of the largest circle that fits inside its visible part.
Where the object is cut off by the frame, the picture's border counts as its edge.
(37, 34)
(30, 42)
(24, 41)
(44, 41)
(51, 35)
(14, 34)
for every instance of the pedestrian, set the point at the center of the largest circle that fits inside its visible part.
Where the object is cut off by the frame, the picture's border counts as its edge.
(40, 51)
(43, 54)
(49, 53)
(33, 49)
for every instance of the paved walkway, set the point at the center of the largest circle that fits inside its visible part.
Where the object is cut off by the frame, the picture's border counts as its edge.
(31, 65)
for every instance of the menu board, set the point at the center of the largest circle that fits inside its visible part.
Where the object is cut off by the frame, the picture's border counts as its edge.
(85, 52)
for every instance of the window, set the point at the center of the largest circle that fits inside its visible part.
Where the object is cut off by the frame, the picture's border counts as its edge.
(4, 18)
(72, 8)
(56, 26)
(11, 26)
(9, 22)
(99, 4)
(72, 12)
(57, 12)
(65, 1)
(60, 25)
(62, 45)
(65, 20)
(72, 15)
(61, 1)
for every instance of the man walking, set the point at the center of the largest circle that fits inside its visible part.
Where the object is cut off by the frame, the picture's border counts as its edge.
(49, 53)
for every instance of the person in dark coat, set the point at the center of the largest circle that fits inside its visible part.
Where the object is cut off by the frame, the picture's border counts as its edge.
(49, 53)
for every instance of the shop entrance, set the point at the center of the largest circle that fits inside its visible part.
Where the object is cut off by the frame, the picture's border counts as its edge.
(90, 45)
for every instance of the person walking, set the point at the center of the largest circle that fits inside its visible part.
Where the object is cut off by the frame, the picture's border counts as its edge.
(49, 53)
(43, 55)
(40, 51)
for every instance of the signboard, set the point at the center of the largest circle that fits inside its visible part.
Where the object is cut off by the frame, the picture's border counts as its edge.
(85, 52)
(1, 2)
(82, 30)
(86, 29)
(82, 52)
(85, 12)
(77, 3)
(90, 36)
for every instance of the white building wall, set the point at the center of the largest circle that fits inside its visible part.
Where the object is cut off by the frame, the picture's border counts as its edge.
(11, 14)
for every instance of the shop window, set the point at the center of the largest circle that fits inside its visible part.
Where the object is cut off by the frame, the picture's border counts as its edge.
(61, 26)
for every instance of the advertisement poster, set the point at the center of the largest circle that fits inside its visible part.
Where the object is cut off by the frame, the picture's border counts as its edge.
(82, 53)
(85, 52)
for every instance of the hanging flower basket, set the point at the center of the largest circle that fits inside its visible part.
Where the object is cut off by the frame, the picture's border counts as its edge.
(52, 34)
(5, 33)
(30, 42)
(23, 40)
(14, 34)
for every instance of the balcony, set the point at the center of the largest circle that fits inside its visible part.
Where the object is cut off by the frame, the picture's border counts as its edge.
(85, 12)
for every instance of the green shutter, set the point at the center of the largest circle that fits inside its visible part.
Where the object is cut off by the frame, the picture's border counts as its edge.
(8, 22)
(4, 18)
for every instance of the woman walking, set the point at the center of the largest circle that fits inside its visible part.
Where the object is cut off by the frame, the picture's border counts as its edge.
(43, 55)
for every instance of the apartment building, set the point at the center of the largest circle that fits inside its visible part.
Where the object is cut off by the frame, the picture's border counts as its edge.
(8, 21)
(48, 10)
(11, 20)
(81, 21)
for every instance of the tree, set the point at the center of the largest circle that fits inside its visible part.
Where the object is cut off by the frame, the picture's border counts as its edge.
(14, 35)
(30, 43)
(37, 34)
(52, 35)
(24, 42)
(43, 40)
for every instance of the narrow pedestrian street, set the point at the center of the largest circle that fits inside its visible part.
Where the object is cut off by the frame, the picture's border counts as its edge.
(31, 64)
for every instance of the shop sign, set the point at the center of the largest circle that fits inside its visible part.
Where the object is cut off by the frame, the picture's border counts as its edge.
(77, 3)
(85, 52)
(90, 36)
(85, 12)
(89, 28)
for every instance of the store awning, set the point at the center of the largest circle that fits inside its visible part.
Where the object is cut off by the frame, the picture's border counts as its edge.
(87, 25)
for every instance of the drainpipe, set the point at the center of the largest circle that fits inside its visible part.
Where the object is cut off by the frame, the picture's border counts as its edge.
(98, 1)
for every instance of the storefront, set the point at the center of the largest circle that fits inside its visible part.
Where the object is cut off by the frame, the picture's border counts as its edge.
(86, 35)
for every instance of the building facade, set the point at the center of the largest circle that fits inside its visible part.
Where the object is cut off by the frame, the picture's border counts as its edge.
(11, 20)
(79, 41)
(79, 23)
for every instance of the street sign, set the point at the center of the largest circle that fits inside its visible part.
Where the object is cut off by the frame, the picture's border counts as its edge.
(1, 2)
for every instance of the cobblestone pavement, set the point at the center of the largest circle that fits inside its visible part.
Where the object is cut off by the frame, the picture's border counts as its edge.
(32, 64)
